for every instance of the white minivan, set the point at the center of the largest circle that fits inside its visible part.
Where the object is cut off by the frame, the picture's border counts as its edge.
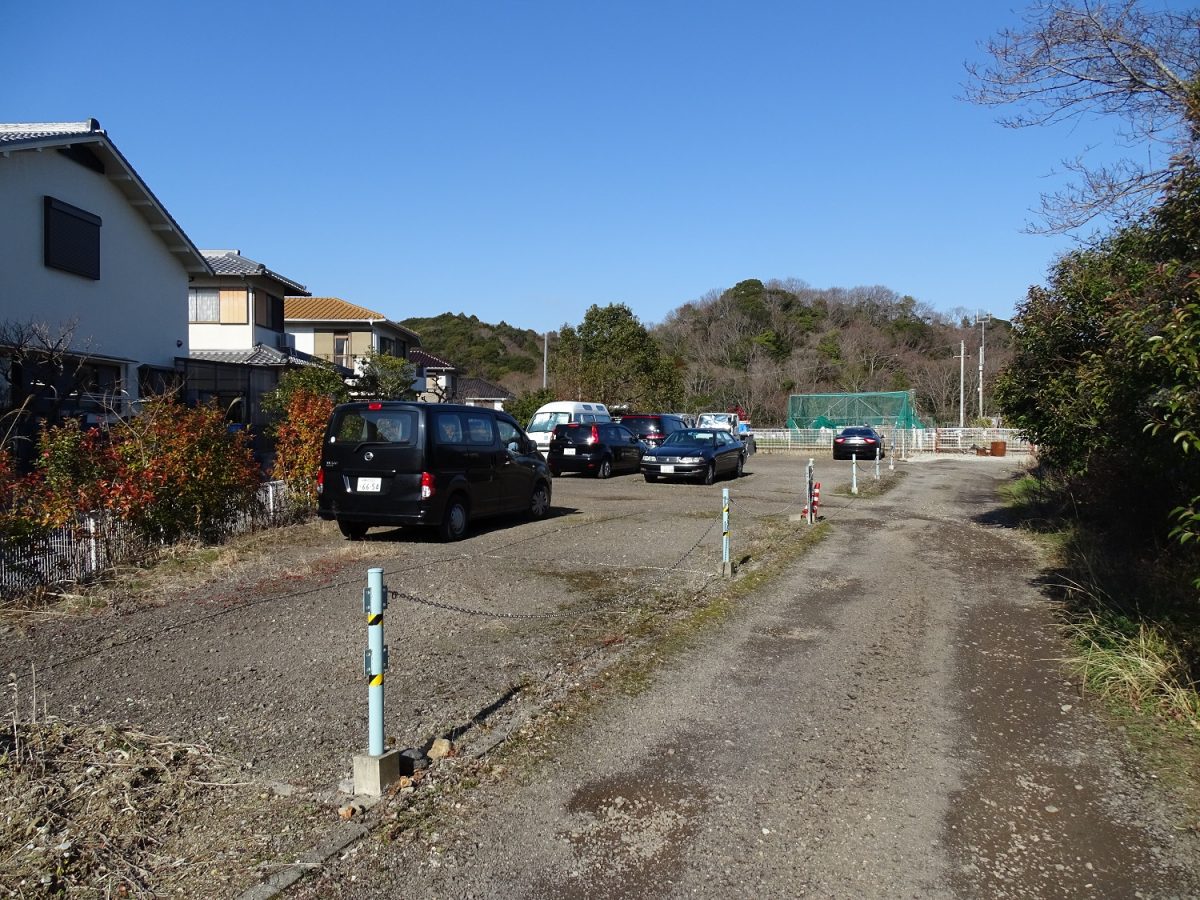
(563, 412)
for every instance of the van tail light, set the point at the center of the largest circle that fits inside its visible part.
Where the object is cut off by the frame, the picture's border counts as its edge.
(595, 438)
(427, 489)
(320, 482)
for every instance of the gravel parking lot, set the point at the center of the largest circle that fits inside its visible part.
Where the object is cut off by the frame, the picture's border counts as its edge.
(260, 655)
(883, 717)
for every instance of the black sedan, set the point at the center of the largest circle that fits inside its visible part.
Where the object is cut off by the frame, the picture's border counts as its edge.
(701, 453)
(859, 440)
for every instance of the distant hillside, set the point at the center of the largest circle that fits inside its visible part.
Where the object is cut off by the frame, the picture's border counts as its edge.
(500, 353)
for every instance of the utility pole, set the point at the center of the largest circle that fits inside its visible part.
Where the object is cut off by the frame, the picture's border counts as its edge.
(545, 357)
(982, 340)
(962, 374)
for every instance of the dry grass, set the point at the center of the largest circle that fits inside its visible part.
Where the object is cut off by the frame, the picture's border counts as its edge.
(1137, 664)
(94, 809)
(265, 556)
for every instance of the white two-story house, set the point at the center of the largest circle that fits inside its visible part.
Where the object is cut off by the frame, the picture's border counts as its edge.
(93, 279)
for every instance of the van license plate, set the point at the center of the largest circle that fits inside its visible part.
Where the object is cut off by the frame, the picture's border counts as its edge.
(667, 470)
(568, 451)
(368, 485)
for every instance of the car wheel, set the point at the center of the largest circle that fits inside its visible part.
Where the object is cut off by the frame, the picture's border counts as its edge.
(650, 477)
(710, 474)
(741, 464)
(539, 503)
(454, 520)
(352, 531)
(556, 472)
(605, 469)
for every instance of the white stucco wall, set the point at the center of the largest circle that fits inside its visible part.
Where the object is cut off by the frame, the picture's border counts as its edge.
(305, 342)
(212, 336)
(138, 308)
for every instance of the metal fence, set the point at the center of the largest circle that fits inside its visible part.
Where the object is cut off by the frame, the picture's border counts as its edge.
(98, 542)
(904, 441)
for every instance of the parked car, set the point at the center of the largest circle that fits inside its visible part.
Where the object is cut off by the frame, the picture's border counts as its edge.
(562, 412)
(600, 449)
(857, 440)
(652, 428)
(702, 453)
(433, 464)
(725, 421)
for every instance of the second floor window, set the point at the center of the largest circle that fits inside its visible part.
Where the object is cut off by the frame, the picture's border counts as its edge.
(216, 306)
(341, 351)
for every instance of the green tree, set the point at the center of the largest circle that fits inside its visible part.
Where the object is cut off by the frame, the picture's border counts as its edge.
(611, 358)
(320, 379)
(386, 377)
(526, 404)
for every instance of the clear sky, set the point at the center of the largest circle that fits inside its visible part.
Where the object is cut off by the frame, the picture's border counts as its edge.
(524, 160)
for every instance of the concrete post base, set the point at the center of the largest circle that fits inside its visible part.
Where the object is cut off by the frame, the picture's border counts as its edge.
(373, 774)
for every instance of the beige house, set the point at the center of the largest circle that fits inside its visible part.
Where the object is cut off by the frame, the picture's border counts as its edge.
(239, 349)
(332, 329)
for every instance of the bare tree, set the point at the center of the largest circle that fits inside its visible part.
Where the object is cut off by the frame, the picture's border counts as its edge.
(1072, 60)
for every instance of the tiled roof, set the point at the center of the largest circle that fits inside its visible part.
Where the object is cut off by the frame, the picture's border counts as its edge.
(259, 355)
(231, 262)
(14, 132)
(427, 360)
(335, 309)
(478, 389)
(327, 308)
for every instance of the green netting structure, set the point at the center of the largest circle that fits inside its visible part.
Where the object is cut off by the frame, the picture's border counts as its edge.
(891, 408)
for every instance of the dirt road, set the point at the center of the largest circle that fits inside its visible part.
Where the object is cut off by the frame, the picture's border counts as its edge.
(884, 718)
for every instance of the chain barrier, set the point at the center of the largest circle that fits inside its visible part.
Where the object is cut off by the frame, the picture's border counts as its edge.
(458, 557)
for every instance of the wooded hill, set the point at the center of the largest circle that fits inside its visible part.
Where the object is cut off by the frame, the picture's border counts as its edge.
(756, 343)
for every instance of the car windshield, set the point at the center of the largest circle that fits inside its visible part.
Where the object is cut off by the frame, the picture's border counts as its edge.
(858, 432)
(690, 438)
(545, 421)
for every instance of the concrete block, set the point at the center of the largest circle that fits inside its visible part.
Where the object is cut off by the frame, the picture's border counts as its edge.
(373, 774)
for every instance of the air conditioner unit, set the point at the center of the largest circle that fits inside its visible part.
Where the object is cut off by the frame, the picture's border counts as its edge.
(285, 341)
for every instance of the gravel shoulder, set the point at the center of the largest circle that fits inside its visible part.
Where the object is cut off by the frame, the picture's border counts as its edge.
(883, 717)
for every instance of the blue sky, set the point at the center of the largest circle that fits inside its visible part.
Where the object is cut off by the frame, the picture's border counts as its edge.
(524, 160)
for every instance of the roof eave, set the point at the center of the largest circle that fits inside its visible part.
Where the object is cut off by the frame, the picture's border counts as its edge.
(135, 190)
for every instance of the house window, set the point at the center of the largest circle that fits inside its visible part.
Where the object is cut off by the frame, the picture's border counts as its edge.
(268, 311)
(204, 305)
(387, 347)
(341, 351)
(215, 306)
(71, 239)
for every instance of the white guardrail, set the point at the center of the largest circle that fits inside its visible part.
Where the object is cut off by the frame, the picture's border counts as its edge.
(975, 441)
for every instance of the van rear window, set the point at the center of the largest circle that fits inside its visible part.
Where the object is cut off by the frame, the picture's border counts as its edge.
(387, 426)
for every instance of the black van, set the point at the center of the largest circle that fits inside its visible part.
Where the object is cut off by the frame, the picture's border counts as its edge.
(434, 464)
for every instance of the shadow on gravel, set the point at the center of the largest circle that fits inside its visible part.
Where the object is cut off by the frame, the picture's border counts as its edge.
(483, 715)
(417, 535)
